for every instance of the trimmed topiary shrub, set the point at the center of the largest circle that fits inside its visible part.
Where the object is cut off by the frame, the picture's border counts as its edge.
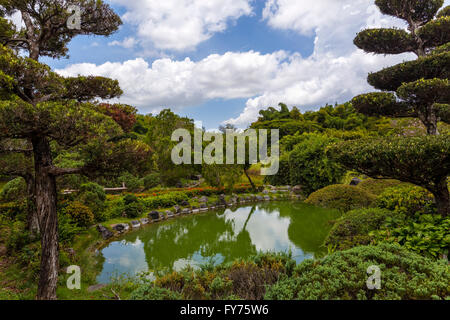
(129, 199)
(407, 200)
(80, 214)
(134, 210)
(353, 228)
(343, 275)
(131, 182)
(342, 197)
(132, 207)
(14, 190)
(93, 196)
(151, 181)
(378, 186)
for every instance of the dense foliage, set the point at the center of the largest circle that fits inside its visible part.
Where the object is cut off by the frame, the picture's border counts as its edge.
(342, 197)
(353, 228)
(408, 200)
(343, 276)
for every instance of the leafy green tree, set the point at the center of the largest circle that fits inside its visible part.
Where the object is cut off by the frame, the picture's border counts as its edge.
(418, 88)
(159, 134)
(423, 161)
(311, 167)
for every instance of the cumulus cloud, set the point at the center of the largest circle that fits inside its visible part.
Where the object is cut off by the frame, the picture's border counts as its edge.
(335, 72)
(127, 43)
(184, 83)
(181, 24)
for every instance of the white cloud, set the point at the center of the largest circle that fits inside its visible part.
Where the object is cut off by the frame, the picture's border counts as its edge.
(127, 43)
(181, 24)
(176, 84)
(335, 72)
(269, 78)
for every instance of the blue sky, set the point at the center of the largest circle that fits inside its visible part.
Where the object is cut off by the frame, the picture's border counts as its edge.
(245, 34)
(224, 60)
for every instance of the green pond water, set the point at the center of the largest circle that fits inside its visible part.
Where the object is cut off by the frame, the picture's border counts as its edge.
(219, 237)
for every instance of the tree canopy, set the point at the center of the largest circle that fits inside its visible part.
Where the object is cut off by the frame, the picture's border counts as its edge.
(46, 31)
(418, 88)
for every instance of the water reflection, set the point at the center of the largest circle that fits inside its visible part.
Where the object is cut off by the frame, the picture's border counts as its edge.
(220, 236)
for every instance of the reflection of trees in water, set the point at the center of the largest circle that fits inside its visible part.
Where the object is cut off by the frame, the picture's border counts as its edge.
(309, 225)
(213, 234)
(182, 238)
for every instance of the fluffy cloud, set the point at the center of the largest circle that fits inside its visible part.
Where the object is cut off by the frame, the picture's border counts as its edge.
(335, 72)
(269, 78)
(178, 84)
(181, 24)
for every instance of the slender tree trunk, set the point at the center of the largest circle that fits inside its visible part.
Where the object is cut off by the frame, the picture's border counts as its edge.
(46, 199)
(442, 198)
(250, 180)
(32, 214)
(430, 120)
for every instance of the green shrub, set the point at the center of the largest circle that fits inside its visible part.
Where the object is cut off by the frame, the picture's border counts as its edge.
(310, 166)
(353, 228)
(150, 292)
(342, 197)
(378, 186)
(14, 210)
(129, 199)
(134, 210)
(343, 275)
(131, 182)
(114, 208)
(93, 196)
(67, 228)
(407, 200)
(241, 279)
(14, 190)
(425, 234)
(18, 237)
(151, 181)
(165, 201)
(80, 214)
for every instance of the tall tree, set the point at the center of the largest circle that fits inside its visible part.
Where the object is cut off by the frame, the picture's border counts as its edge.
(418, 88)
(38, 107)
(47, 32)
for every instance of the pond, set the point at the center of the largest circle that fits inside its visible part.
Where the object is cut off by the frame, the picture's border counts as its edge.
(220, 237)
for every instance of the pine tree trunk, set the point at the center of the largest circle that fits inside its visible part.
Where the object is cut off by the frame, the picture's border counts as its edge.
(46, 199)
(442, 198)
(32, 214)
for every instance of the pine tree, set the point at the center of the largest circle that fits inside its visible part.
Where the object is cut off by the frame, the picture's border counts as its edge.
(42, 109)
(418, 88)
